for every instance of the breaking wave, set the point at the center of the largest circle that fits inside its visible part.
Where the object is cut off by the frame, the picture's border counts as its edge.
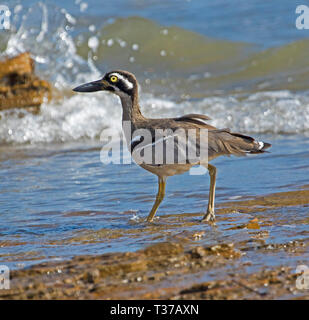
(85, 117)
(238, 85)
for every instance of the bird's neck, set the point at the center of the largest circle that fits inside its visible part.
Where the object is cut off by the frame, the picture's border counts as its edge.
(130, 109)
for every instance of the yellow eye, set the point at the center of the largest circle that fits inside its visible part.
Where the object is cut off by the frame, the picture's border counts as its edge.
(113, 79)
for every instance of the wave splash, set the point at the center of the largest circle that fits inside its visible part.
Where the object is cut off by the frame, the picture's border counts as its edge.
(46, 31)
(83, 117)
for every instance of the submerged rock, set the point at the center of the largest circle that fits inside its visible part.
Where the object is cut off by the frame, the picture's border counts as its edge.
(19, 86)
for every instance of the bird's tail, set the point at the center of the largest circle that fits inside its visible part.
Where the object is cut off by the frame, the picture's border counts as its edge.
(225, 142)
(250, 145)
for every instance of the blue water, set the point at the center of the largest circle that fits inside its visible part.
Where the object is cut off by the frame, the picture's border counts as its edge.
(59, 203)
(267, 23)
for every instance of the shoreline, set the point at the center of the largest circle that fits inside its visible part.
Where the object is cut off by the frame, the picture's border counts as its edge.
(181, 270)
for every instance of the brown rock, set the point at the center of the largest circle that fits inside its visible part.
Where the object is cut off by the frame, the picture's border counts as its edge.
(93, 276)
(164, 249)
(19, 86)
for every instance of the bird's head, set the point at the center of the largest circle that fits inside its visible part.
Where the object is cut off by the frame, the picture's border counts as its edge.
(121, 83)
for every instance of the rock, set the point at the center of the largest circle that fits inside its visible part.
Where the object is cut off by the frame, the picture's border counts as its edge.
(19, 65)
(93, 276)
(19, 86)
(164, 249)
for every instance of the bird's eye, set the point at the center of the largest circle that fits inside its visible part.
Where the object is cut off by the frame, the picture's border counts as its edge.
(113, 79)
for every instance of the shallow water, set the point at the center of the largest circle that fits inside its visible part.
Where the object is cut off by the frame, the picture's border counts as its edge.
(62, 201)
(58, 200)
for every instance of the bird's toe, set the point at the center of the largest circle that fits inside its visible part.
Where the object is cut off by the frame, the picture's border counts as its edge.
(209, 217)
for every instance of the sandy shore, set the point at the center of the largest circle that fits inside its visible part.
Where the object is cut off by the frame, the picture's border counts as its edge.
(179, 270)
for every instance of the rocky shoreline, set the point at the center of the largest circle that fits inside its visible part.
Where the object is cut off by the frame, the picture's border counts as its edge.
(173, 270)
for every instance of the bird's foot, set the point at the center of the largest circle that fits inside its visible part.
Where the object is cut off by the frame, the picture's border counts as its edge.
(151, 219)
(209, 217)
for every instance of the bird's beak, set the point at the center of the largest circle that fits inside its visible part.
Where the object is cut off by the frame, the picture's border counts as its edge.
(93, 86)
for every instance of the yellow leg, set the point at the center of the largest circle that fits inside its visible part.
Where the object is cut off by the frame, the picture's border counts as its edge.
(210, 215)
(159, 198)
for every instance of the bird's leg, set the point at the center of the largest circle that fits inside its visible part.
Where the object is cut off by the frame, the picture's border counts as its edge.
(159, 198)
(210, 214)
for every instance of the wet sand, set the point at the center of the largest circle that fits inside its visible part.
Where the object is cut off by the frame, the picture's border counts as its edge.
(250, 268)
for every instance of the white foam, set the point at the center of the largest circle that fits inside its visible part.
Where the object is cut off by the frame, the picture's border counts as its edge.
(76, 118)
(269, 112)
(84, 116)
(43, 31)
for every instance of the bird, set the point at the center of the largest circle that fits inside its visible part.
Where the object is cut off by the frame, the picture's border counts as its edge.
(217, 142)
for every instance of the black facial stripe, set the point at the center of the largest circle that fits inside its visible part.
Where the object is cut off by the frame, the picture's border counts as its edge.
(122, 87)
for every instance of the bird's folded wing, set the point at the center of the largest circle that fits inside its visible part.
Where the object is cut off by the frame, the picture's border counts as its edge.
(193, 118)
(191, 146)
(175, 148)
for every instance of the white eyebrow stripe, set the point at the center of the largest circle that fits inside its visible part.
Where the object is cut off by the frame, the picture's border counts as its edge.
(128, 84)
